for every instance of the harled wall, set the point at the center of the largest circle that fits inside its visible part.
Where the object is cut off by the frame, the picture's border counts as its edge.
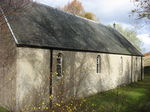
(136, 69)
(33, 71)
(7, 68)
(79, 76)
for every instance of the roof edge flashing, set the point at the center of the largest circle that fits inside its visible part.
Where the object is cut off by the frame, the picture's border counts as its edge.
(127, 40)
(13, 35)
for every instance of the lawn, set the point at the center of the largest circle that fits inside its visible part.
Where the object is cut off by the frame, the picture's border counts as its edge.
(131, 98)
(3, 110)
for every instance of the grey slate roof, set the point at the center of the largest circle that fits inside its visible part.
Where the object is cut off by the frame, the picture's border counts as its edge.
(38, 25)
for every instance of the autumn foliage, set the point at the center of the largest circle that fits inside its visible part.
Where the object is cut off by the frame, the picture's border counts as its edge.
(89, 15)
(75, 7)
(147, 54)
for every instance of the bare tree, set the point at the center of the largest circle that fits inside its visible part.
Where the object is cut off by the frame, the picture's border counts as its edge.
(9, 7)
(142, 9)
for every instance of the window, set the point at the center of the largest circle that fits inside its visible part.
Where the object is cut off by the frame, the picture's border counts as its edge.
(121, 64)
(136, 62)
(59, 65)
(98, 64)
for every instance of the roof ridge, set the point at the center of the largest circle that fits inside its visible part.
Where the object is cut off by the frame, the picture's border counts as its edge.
(68, 13)
(47, 27)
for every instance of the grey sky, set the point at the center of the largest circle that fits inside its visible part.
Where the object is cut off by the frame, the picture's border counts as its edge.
(110, 11)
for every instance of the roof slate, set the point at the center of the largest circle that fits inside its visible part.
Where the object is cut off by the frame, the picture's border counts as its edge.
(46, 27)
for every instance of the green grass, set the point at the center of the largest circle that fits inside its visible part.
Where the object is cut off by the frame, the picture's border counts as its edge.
(3, 110)
(132, 98)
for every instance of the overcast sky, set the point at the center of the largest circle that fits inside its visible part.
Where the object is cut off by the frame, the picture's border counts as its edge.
(110, 11)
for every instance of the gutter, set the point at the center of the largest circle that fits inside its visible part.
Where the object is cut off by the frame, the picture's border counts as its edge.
(72, 49)
(131, 69)
(51, 78)
(141, 68)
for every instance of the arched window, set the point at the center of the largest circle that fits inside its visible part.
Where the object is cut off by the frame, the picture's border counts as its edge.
(98, 68)
(136, 62)
(59, 65)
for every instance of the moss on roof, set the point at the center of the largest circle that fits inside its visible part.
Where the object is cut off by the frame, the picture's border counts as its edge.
(46, 27)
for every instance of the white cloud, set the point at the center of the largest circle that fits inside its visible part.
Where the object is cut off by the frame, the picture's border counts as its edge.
(145, 38)
(109, 6)
(53, 3)
(110, 10)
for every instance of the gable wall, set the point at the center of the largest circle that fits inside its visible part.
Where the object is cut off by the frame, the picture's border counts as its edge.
(33, 71)
(7, 68)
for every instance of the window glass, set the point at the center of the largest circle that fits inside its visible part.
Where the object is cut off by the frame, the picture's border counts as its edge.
(59, 65)
(121, 64)
(98, 64)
